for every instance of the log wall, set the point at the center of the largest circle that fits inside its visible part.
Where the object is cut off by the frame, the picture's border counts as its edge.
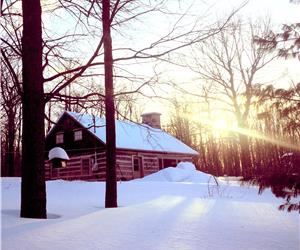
(84, 167)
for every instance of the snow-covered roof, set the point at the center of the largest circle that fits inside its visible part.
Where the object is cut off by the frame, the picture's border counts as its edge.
(130, 135)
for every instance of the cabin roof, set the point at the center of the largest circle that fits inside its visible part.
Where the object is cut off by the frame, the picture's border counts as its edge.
(134, 136)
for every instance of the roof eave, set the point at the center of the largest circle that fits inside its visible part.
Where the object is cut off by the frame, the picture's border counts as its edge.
(157, 151)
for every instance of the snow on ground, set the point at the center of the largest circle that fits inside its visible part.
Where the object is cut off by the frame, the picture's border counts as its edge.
(154, 215)
(183, 172)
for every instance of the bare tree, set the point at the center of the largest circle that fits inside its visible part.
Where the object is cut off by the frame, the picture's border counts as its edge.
(10, 105)
(10, 84)
(231, 61)
(180, 124)
(111, 178)
(33, 191)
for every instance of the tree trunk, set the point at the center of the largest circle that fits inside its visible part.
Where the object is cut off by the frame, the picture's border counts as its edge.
(11, 141)
(111, 179)
(245, 156)
(33, 190)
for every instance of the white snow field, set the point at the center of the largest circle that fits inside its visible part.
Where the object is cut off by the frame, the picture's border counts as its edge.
(163, 211)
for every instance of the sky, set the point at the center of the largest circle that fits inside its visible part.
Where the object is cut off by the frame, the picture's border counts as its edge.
(147, 29)
(281, 11)
(282, 72)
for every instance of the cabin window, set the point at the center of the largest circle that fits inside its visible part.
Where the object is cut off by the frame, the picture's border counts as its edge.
(136, 164)
(160, 163)
(77, 135)
(59, 138)
(169, 163)
(138, 170)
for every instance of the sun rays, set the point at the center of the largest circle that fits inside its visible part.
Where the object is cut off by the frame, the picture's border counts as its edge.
(221, 127)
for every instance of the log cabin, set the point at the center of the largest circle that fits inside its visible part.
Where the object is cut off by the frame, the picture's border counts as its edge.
(142, 149)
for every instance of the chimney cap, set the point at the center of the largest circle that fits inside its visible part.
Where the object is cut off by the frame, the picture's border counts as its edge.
(151, 113)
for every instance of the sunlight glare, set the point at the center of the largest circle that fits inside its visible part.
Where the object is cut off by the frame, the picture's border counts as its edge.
(221, 127)
(269, 138)
(220, 124)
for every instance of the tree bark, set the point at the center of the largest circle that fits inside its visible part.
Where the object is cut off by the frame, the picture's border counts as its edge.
(245, 156)
(246, 160)
(33, 190)
(111, 179)
(11, 143)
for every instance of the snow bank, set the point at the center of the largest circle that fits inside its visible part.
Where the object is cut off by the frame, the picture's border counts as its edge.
(176, 174)
(186, 165)
(183, 172)
(151, 216)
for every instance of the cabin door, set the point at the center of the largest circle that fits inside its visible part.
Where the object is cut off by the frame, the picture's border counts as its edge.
(137, 167)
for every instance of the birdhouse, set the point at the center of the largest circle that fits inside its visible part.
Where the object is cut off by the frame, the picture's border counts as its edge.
(58, 156)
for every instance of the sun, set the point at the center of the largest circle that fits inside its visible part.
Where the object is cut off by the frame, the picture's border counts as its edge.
(220, 127)
(220, 124)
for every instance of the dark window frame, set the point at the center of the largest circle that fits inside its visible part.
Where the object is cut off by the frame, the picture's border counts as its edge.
(81, 134)
(62, 138)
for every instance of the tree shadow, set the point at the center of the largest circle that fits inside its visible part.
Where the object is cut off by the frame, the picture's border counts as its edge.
(16, 213)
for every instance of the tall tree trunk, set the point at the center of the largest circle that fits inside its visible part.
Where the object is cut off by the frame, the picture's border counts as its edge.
(111, 178)
(11, 142)
(245, 156)
(33, 190)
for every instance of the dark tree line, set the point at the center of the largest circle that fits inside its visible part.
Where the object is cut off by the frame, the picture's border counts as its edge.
(274, 136)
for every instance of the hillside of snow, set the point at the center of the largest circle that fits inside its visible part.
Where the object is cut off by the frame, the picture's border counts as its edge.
(152, 214)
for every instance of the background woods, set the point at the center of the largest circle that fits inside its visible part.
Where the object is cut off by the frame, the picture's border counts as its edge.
(273, 134)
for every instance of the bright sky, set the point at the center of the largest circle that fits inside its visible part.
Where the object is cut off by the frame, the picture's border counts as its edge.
(153, 26)
(281, 11)
(283, 72)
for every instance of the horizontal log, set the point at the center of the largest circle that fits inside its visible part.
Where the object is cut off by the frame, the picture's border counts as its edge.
(75, 173)
(124, 158)
(125, 162)
(122, 167)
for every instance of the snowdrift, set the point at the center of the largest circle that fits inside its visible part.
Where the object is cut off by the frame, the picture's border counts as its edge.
(183, 172)
(151, 216)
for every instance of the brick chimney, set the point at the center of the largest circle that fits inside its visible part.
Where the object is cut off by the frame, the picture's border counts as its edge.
(152, 119)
